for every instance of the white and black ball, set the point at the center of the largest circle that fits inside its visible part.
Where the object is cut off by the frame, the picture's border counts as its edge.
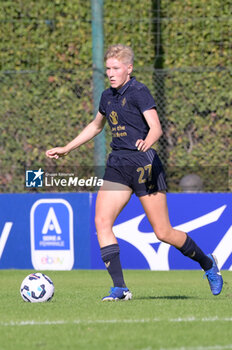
(37, 288)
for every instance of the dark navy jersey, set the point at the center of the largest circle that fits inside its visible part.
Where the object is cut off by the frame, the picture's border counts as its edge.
(124, 110)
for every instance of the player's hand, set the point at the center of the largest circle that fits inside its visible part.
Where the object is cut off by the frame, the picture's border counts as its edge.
(56, 152)
(141, 145)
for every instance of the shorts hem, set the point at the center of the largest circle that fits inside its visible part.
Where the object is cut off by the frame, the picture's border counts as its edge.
(117, 182)
(142, 194)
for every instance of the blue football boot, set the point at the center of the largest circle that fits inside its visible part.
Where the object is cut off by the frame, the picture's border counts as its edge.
(214, 277)
(118, 293)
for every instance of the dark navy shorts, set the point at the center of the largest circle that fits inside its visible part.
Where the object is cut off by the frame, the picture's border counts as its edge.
(141, 171)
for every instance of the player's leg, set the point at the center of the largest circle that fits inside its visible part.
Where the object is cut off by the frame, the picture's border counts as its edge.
(111, 199)
(155, 206)
(156, 209)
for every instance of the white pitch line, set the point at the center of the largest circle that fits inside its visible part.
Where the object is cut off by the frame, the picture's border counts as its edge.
(204, 319)
(213, 347)
(114, 321)
(31, 323)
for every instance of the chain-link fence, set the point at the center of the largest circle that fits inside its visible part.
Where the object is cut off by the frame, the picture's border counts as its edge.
(195, 140)
(194, 106)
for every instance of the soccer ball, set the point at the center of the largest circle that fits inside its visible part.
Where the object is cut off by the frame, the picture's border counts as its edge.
(36, 288)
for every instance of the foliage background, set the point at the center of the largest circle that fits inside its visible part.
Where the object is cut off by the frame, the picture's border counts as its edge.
(183, 54)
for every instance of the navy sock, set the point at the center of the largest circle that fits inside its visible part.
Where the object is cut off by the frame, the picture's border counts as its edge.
(191, 249)
(110, 256)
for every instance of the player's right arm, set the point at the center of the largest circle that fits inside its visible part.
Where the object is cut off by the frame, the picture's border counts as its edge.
(88, 133)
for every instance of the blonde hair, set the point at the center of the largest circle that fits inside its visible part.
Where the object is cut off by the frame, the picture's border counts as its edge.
(121, 52)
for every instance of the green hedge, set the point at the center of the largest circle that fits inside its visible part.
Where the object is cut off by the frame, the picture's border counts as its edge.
(198, 97)
(46, 79)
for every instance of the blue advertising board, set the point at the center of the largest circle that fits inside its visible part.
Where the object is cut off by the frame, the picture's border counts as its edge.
(56, 231)
(45, 231)
(205, 217)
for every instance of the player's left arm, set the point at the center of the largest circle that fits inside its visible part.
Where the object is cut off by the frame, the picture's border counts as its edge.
(155, 131)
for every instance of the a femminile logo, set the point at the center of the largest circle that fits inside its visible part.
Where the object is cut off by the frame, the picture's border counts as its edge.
(52, 234)
(34, 178)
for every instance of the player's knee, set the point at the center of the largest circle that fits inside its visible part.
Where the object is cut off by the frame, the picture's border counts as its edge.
(102, 223)
(163, 234)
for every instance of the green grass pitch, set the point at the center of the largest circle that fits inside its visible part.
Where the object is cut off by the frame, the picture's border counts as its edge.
(171, 310)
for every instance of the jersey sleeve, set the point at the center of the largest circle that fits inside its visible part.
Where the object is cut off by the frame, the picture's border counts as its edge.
(101, 108)
(144, 99)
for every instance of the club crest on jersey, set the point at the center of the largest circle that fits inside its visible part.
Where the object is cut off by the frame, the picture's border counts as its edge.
(124, 102)
(114, 118)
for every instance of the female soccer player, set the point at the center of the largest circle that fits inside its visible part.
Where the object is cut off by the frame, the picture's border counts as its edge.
(132, 166)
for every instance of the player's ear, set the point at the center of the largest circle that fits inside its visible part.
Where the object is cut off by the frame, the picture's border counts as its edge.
(130, 68)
